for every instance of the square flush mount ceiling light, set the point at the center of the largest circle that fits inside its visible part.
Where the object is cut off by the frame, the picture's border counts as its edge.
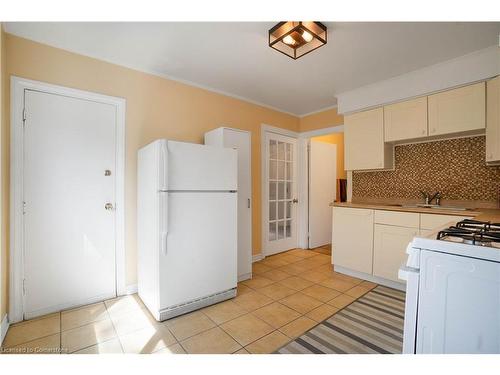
(297, 38)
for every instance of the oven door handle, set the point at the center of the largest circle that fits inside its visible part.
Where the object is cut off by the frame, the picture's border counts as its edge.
(405, 271)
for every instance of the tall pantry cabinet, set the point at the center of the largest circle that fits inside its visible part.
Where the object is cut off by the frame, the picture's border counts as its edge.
(241, 141)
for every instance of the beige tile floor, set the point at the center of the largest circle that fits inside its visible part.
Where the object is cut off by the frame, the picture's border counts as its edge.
(290, 293)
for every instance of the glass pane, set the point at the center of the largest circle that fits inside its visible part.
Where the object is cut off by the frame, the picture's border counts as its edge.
(272, 191)
(281, 151)
(289, 171)
(272, 231)
(281, 210)
(272, 211)
(281, 230)
(272, 150)
(288, 151)
(272, 170)
(281, 170)
(288, 209)
(281, 190)
(288, 228)
(288, 190)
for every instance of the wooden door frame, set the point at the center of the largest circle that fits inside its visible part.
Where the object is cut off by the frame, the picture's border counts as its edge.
(16, 273)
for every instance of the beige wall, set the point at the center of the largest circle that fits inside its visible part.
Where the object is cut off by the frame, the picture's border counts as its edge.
(156, 108)
(321, 120)
(336, 139)
(3, 122)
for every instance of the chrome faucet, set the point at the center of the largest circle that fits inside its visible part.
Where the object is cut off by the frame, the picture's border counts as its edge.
(428, 199)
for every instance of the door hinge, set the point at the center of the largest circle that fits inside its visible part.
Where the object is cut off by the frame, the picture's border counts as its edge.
(24, 207)
(24, 116)
(24, 286)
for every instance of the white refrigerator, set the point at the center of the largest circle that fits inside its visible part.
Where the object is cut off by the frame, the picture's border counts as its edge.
(187, 226)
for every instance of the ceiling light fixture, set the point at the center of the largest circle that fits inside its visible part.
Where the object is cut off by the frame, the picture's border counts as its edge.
(297, 38)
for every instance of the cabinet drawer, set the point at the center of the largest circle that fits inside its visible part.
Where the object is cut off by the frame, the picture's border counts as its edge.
(400, 219)
(434, 221)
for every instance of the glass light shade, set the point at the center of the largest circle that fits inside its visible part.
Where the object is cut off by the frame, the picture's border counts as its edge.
(297, 38)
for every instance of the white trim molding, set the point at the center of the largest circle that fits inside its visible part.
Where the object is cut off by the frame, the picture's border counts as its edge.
(4, 327)
(257, 257)
(463, 70)
(318, 111)
(322, 131)
(131, 289)
(18, 86)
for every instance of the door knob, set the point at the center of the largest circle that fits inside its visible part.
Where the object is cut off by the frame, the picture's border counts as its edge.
(295, 200)
(108, 206)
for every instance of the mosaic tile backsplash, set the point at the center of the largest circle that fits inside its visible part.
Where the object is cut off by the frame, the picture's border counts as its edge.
(455, 167)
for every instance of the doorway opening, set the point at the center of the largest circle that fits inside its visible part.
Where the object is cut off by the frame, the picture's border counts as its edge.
(325, 182)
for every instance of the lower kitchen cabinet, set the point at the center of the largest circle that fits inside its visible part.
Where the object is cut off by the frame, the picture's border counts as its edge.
(372, 244)
(352, 238)
(389, 249)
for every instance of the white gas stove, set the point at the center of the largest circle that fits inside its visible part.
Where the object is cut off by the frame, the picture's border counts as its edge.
(453, 290)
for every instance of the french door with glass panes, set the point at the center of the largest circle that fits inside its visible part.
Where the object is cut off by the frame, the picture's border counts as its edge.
(280, 230)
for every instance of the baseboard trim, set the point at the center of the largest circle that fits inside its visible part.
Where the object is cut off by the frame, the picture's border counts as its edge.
(373, 279)
(245, 276)
(131, 289)
(257, 257)
(4, 327)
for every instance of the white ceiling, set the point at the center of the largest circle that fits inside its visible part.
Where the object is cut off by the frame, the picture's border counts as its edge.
(234, 58)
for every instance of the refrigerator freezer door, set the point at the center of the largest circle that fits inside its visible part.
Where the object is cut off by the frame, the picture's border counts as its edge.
(458, 305)
(199, 255)
(194, 167)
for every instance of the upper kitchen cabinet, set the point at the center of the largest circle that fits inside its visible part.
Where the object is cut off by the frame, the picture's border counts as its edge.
(493, 121)
(364, 141)
(405, 120)
(457, 110)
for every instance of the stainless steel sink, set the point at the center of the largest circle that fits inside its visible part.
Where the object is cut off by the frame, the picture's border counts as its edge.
(432, 206)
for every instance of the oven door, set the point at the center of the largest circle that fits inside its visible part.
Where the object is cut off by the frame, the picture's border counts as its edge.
(411, 276)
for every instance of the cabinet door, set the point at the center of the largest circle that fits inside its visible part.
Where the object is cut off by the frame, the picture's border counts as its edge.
(352, 238)
(240, 140)
(457, 110)
(405, 120)
(493, 121)
(364, 141)
(389, 250)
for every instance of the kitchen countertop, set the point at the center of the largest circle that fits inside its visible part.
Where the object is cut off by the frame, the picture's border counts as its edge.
(482, 214)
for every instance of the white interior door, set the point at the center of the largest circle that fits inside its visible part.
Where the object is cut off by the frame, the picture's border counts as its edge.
(280, 194)
(322, 191)
(69, 235)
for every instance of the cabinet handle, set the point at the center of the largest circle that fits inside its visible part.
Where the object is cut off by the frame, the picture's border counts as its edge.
(248, 202)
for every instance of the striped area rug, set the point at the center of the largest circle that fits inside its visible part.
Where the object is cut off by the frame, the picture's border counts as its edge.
(371, 324)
